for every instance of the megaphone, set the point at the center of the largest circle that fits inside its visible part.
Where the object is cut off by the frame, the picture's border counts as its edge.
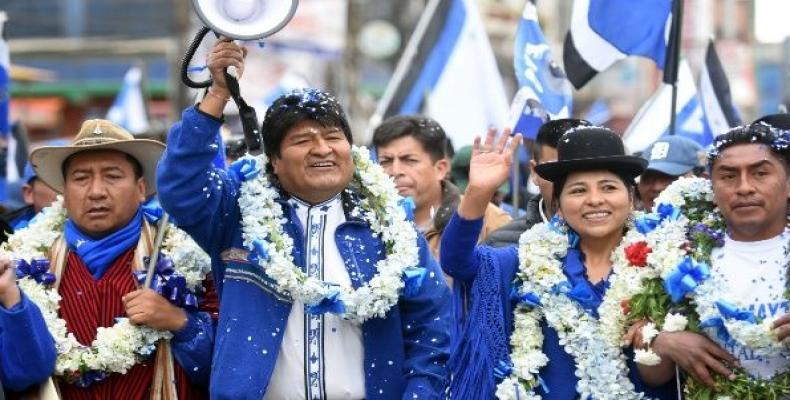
(245, 19)
(238, 20)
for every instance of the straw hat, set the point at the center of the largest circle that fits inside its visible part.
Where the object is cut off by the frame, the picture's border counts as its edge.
(98, 134)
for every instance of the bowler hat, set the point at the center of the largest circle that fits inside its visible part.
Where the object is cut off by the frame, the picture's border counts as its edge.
(590, 148)
(98, 134)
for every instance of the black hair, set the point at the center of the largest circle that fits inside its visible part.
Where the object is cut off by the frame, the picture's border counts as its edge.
(757, 133)
(235, 148)
(550, 132)
(136, 167)
(628, 181)
(298, 106)
(423, 129)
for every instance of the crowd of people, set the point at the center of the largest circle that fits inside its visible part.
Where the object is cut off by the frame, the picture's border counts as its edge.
(312, 271)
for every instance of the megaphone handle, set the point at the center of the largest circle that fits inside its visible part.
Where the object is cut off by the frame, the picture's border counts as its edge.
(249, 119)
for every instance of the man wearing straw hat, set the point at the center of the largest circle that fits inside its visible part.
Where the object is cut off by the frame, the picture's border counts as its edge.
(77, 291)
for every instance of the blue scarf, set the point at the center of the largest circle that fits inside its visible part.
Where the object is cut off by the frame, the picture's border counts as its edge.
(587, 295)
(99, 254)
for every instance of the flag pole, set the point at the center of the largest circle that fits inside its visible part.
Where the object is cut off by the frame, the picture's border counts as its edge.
(672, 59)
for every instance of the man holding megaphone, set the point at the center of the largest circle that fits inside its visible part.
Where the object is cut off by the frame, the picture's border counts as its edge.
(326, 289)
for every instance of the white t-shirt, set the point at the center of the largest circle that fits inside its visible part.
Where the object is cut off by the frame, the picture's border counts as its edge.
(755, 274)
(321, 356)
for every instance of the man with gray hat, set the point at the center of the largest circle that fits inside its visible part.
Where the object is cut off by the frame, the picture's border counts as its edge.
(670, 158)
(74, 282)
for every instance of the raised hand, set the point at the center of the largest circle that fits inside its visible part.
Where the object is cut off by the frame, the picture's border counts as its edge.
(9, 291)
(225, 53)
(489, 168)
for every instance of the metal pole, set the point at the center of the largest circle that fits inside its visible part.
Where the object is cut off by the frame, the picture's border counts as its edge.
(672, 59)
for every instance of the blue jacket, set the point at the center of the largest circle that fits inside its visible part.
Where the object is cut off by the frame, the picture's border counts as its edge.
(487, 275)
(405, 353)
(27, 350)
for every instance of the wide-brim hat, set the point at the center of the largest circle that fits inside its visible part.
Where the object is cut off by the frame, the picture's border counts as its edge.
(98, 134)
(590, 148)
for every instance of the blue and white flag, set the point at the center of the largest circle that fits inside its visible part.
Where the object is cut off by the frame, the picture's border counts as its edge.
(544, 90)
(448, 72)
(653, 119)
(603, 32)
(715, 94)
(128, 110)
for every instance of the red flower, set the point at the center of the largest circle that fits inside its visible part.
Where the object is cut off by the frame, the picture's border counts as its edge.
(625, 305)
(637, 254)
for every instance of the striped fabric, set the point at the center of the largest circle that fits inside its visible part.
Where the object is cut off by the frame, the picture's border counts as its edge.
(88, 304)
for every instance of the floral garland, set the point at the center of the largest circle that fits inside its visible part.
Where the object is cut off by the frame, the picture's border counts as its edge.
(115, 349)
(678, 291)
(381, 207)
(543, 293)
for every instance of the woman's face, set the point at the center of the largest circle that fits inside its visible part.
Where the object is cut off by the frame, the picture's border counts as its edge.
(595, 204)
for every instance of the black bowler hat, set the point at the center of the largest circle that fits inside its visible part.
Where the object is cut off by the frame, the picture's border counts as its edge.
(590, 148)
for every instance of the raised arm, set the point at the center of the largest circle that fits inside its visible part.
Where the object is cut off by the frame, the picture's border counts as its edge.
(489, 167)
(200, 197)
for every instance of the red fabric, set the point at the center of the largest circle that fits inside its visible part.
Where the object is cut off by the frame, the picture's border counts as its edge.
(89, 304)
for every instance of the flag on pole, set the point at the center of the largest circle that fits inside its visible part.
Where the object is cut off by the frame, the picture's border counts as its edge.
(603, 32)
(715, 94)
(544, 89)
(652, 120)
(448, 72)
(128, 110)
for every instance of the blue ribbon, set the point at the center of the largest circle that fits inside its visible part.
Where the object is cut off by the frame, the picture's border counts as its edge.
(581, 293)
(503, 370)
(408, 206)
(331, 303)
(245, 169)
(730, 311)
(89, 378)
(649, 222)
(412, 281)
(37, 269)
(717, 323)
(169, 284)
(668, 211)
(685, 278)
(153, 212)
(530, 299)
(260, 251)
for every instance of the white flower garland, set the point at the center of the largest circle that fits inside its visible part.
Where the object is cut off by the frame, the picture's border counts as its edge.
(262, 217)
(757, 337)
(600, 364)
(115, 349)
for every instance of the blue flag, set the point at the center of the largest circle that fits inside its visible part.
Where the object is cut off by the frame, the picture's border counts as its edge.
(605, 31)
(128, 110)
(544, 90)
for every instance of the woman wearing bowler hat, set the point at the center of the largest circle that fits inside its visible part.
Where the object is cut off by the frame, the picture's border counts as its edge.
(532, 325)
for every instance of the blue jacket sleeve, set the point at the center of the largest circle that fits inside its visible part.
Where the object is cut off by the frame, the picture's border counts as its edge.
(426, 330)
(461, 256)
(192, 347)
(27, 350)
(201, 197)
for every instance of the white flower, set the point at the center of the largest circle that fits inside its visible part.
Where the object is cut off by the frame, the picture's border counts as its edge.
(649, 332)
(262, 218)
(675, 323)
(646, 357)
(115, 349)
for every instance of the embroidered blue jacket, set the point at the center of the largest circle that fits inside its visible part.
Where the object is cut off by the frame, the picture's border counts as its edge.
(486, 275)
(405, 353)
